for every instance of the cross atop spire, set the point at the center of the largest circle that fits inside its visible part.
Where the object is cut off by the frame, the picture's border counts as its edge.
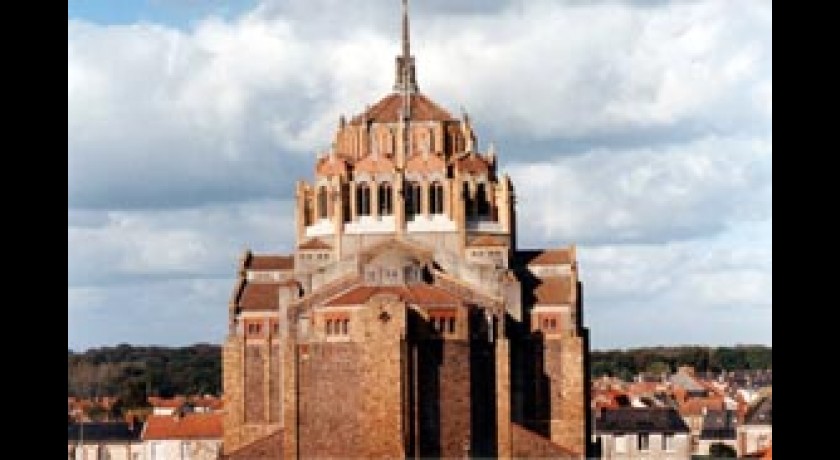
(406, 79)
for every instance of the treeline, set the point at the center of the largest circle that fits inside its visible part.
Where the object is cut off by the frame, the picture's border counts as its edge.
(132, 373)
(628, 363)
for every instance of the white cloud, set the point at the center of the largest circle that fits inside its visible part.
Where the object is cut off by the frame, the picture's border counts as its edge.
(715, 290)
(129, 246)
(645, 194)
(640, 130)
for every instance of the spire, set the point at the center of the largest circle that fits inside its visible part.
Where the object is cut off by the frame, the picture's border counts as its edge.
(406, 37)
(406, 80)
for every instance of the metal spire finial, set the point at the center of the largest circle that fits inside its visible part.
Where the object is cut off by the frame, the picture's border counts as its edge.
(406, 80)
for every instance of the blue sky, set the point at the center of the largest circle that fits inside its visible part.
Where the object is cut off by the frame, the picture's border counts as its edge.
(173, 13)
(642, 131)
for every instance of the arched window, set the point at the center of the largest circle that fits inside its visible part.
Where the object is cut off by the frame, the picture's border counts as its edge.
(413, 194)
(363, 200)
(329, 326)
(307, 212)
(436, 198)
(451, 324)
(482, 204)
(468, 201)
(322, 202)
(344, 325)
(386, 194)
(553, 324)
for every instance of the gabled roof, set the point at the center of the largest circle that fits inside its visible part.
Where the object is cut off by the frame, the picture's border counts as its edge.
(420, 294)
(761, 413)
(270, 262)
(103, 432)
(640, 420)
(314, 243)
(472, 164)
(398, 245)
(187, 426)
(263, 296)
(331, 166)
(545, 256)
(553, 290)
(387, 110)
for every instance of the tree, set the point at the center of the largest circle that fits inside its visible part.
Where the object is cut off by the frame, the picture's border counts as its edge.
(658, 367)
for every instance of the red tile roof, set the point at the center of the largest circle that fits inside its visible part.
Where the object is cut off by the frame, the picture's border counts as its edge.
(553, 290)
(314, 243)
(472, 164)
(169, 403)
(695, 406)
(421, 294)
(387, 110)
(546, 256)
(270, 262)
(263, 296)
(488, 240)
(189, 426)
(330, 166)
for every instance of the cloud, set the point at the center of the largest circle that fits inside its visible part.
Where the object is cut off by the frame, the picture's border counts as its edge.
(123, 247)
(231, 110)
(645, 195)
(639, 130)
(715, 290)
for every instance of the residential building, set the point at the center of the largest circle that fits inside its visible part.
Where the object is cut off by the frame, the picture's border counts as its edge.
(756, 433)
(719, 427)
(104, 440)
(642, 433)
(183, 436)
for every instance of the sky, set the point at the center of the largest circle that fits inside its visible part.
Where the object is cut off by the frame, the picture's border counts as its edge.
(639, 130)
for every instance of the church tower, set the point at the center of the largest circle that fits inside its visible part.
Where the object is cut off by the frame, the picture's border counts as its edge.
(407, 322)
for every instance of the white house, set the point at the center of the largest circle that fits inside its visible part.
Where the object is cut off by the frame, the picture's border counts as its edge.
(183, 436)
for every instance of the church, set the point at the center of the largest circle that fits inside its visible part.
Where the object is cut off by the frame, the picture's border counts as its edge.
(408, 321)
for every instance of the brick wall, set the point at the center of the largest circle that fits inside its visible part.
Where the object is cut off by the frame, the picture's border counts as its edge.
(254, 380)
(444, 397)
(329, 399)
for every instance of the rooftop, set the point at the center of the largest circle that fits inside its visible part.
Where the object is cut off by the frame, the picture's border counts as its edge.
(186, 426)
(640, 420)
